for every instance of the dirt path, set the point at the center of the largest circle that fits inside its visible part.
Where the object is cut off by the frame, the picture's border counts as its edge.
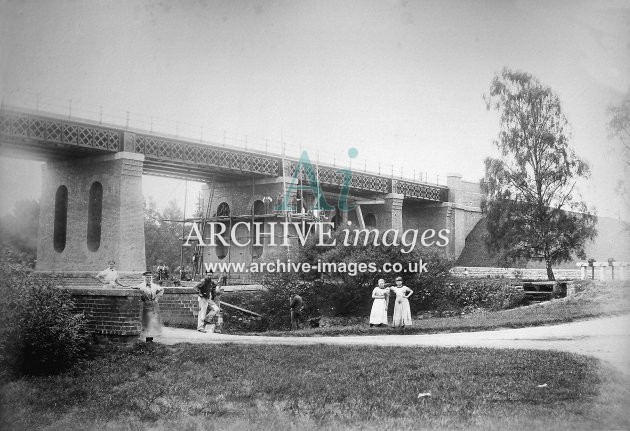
(605, 338)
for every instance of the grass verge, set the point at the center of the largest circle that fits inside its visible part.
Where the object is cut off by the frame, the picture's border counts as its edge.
(236, 387)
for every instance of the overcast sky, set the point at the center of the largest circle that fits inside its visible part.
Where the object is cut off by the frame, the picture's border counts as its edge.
(402, 81)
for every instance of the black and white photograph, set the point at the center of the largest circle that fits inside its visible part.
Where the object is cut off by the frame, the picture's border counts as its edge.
(314, 215)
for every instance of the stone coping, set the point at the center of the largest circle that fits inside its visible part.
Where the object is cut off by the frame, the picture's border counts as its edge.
(85, 274)
(100, 291)
(111, 291)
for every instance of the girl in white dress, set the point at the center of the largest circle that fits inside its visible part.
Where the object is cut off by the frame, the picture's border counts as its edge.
(402, 312)
(378, 315)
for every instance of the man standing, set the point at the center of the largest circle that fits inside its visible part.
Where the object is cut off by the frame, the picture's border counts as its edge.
(195, 264)
(206, 290)
(109, 276)
(297, 305)
(150, 292)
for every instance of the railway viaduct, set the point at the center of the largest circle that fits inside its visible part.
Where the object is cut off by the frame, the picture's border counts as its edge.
(92, 201)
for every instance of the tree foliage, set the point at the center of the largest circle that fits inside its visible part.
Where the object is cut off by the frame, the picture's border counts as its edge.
(163, 236)
(18, 233)
(348, 292)
(41, 331)
(531, 203)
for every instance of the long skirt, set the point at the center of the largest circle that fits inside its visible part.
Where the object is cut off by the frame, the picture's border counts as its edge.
(378, 315)
(402, 313)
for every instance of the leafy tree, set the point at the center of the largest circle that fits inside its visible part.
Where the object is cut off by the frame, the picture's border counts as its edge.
(531, 206)
(163, 236)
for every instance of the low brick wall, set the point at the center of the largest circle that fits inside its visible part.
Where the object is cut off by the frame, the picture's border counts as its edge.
(112, 313)
(179, 306)
(522, 273)
(117, 313)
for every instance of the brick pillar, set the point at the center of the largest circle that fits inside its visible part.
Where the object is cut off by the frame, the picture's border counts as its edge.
(454, 184)
(392, 214)
(121, 216)
(456, 216)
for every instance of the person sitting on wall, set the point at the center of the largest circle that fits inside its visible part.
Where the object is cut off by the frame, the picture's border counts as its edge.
(162, 271)
(183, 275)
(150, 293)
(109, 276)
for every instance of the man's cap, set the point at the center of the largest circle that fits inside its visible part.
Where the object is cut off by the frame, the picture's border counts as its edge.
(147, 273)
(398, 278)
(111, 261)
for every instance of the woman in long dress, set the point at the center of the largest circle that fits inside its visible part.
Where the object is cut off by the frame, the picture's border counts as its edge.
(378, 315)
(402, 311)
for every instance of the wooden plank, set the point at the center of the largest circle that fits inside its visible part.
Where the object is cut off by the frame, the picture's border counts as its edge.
(240, 309)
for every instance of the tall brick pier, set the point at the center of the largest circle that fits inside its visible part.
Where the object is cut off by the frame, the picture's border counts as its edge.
(91, 211)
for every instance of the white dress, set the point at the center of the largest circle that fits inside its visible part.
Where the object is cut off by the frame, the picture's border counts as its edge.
(402, 312)
(109, 276)
(378, 315)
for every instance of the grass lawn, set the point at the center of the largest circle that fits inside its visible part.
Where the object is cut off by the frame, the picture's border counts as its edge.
(594, 300)
(240, 387)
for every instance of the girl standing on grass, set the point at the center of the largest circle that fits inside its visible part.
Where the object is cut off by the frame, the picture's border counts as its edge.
(402, 311)
(378, 315)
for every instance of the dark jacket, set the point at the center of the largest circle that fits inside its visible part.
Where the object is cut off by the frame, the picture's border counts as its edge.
(296, 303)
(206, 288)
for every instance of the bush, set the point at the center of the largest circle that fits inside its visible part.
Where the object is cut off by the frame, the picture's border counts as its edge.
(457, 294)
(343, 294)
(274, 300)
(40, 330)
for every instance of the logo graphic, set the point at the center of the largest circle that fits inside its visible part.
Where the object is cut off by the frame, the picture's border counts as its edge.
(297, 185)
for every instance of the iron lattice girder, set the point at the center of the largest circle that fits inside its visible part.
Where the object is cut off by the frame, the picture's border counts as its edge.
(374, 183)
(53, 131)
(154, 147)
(47, 135)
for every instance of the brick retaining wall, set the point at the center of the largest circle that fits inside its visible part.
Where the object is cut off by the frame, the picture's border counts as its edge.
(117, 313)
(179, 306)
(112, 313)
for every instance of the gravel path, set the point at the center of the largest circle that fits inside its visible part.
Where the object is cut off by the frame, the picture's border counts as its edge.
(605, 338)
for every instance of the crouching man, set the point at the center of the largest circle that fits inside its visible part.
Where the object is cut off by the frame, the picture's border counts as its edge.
(208, 308)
